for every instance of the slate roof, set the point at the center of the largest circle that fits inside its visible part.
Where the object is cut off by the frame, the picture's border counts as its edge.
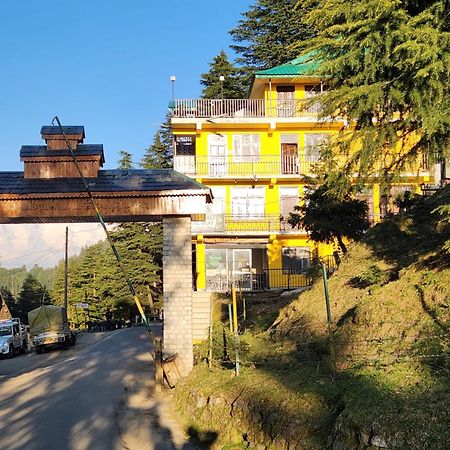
(107, 181)
(29, 151)
(304, 65)
(67, 130)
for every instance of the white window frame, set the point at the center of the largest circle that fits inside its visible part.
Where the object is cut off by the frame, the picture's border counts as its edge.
(246, 147)
(247, 203)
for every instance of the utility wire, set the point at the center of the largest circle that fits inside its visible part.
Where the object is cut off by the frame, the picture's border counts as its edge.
(105, 229)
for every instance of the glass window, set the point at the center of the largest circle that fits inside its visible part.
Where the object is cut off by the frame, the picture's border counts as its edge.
(295, 258)
(313, 143)
(246, 147)
(247, 203)
(216, 260)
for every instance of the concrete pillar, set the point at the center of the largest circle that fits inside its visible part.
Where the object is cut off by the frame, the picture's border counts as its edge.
(177, 286)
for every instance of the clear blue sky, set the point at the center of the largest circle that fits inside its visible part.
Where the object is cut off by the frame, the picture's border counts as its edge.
(104, 64)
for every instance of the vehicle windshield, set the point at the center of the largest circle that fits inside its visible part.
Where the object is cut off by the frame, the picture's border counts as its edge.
(5, 331)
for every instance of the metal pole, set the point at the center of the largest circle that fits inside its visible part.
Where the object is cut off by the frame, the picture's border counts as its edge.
(235, 318)
(236, 336)
(108, 235)
(211, 315)
(66, 257)
(329, 320)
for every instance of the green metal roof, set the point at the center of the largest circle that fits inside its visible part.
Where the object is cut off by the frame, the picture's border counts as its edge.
(304, 65)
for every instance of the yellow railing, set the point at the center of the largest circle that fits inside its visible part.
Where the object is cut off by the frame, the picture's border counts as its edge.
(242, 166)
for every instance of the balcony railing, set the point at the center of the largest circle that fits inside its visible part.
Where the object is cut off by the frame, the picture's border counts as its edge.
(248, 108)
(268, 278)
(227, 223)
(245, 166)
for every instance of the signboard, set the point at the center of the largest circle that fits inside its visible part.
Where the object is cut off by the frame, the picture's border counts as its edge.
(82, 305)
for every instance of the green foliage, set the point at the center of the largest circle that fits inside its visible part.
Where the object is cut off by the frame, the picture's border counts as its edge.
(388, 66)
(94, 276)
(158, 155)
(230, 87)
(32, 295)
(266, 32)
(373, 275)
(125, 161)
(327, 217)
(407, 200)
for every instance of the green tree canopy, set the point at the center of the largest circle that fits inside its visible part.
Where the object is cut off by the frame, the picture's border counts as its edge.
(158, 155)
(126, 160)
(230, 87)
(388, 65)
(265, 34)
(327, 217)
(94, 276)
(32, 295)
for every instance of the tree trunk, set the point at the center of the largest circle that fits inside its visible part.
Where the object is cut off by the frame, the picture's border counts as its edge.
(342, 246)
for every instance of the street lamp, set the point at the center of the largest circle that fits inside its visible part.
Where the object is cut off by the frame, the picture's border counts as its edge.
(221, 79)
(172, 80)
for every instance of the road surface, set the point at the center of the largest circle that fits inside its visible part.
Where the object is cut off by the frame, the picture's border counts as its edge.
(98, 396)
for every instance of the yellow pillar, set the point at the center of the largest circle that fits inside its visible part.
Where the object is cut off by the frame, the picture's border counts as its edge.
(376, 202)
(201, 268)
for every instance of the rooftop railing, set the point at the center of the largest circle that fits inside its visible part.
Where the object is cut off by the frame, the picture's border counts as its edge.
(245, 166)
(249, 223)
(248, 108)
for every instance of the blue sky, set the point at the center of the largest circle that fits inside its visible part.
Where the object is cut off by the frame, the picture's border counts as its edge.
(102, 64)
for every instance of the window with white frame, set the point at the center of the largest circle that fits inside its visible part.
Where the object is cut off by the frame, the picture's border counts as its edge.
(313, 144)
(246, 147)
(247, 203)
(295, 259)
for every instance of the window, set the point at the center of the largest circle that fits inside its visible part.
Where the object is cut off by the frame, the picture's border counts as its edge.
(246, 147)
(247, 203)
(295, 259)
(312, 91)
(286, 101)
(216, 260)
(184, 157)
(184, 145)
(313, 143)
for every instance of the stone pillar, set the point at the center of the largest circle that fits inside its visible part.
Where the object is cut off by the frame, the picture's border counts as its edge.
(177, 286)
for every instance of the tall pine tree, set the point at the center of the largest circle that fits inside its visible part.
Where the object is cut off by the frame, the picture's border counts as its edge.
(158, 155)
(230, 87)
(265, 35)
(32, 295)
(126, 160)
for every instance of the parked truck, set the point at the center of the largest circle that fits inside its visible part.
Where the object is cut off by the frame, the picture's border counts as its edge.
(13, 337)
(49, 327)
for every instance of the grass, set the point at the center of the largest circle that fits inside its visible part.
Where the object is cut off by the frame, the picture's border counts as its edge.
(391, 318)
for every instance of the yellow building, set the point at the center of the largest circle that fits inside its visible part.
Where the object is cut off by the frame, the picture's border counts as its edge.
(254, 154)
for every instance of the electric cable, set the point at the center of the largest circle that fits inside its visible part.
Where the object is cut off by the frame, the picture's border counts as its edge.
(105, 229)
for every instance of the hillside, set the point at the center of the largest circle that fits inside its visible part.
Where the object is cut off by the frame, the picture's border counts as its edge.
(391, 317)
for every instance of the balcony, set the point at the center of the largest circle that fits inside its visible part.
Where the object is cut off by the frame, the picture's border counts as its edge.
(234, 224)
(245, 166)
(243, 108)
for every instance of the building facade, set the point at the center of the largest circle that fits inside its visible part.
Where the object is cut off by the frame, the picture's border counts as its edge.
(256, 155)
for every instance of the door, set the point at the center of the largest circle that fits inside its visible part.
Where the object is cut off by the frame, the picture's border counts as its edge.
(217, 154)
(286, 101)
(289, 199)
(289, 154)
(242, 268)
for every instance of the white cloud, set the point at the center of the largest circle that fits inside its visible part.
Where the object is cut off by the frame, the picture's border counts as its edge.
(43, 244)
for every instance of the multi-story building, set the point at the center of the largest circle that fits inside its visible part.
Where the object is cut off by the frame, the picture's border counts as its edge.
(255, 155)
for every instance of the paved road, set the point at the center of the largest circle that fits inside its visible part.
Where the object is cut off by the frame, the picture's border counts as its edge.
(99, 397)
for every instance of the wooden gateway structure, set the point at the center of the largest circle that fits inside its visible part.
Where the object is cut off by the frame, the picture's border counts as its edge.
(51, 190)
